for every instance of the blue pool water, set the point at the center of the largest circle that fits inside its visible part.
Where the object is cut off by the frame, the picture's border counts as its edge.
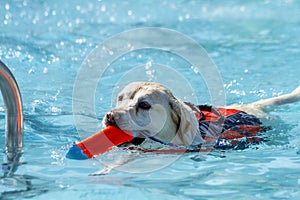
(254, 44)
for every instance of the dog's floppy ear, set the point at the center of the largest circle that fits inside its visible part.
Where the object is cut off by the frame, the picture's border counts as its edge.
(185, 119)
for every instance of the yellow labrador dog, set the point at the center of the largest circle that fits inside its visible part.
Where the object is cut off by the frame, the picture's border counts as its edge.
(151, 111)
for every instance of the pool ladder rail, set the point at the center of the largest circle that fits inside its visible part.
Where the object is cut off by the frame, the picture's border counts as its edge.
(14, 127)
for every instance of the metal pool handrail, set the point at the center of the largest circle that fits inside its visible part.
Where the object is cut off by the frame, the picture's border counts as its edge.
(14, 119)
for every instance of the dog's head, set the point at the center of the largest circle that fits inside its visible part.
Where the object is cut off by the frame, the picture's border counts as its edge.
(151, 108)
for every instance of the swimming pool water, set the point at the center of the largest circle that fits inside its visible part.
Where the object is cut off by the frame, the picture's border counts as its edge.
(254, 44)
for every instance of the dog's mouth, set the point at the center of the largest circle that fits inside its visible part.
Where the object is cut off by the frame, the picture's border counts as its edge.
(135, 141)
(110, 121)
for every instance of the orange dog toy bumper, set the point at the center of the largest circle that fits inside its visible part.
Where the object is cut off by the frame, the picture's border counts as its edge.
(99, 143)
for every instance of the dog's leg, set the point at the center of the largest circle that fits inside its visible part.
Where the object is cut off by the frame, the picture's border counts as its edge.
(257, 108)
(292, 97)
(118, 162)
(102, 172)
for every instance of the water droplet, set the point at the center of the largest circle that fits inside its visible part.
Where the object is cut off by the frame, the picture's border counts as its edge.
(7, 6)
(103, 8)
(31, 70)
(112, 19)
(45, 70)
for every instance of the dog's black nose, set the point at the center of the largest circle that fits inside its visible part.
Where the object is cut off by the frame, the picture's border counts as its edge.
(110, 119)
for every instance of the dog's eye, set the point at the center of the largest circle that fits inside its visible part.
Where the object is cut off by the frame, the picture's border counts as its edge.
(120, 98)
(144, 105)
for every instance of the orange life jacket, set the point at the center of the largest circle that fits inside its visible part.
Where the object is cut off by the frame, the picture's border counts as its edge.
(232, 128)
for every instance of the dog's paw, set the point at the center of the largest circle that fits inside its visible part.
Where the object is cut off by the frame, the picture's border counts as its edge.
(102, 172)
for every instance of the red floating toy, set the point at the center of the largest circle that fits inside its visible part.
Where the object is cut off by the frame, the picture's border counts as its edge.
(99, 143)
